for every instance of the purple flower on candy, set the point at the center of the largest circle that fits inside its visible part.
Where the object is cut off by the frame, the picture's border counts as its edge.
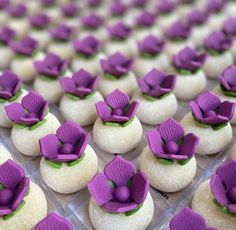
(80, 84)
(53, 221)
(68, 144)
(223, 186)
(10, 84)
(32, 109)
(94, 3)
(196, 17)
(230, 27)
(119, 189)
(214, 6)
(165, 6)
(208, 109)
(61, 32)
(26, 46)
(70, 9)
(116, 108)
(139, 3)
(119, 31)
(7, 35)
(228, 79)
(168, 141)
(48, 3)
(52, 66)
(40, 21)
(15, 187)
(118, 8)
(116, 65)
(92, 21)
(155, 83)
(145, 19)
(18, 10)
(4, 4)
(189, 59)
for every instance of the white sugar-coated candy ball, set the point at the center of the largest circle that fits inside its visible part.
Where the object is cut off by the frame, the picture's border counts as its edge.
(140, 34)
(232, 152)
(4, 154)
(34, 210)
(102, 220)
(155, 112)
(216, 21)
(211, 141)
(164, 21)
(117, 140)
(62, 49)
(69, 179)
(203, 204)
(100, 34)
(21, 26)
(82, 112)
(43, 38)
(27, 141)
(6, 57)
(167, 178)
(233, 49)
(199, 33)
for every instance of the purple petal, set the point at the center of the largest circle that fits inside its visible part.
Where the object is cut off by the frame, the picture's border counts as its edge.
(117, 118)
(169, 82)
(226, 109)
(232, 208)
(195, 109)
(132, 109)
(103, 110)
(143, 85)
(15, 112)
(28, 121)
(228, 79)
(82, 144)
(5, 95)
(119, 207)
(68, 84)
(66, 157)
(5, 211)
(155, 142)
(82, 78)
(117, 99)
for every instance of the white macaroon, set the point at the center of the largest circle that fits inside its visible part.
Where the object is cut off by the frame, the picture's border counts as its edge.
(102, 220)
(211, 141)
(203, 204)
(4, 154)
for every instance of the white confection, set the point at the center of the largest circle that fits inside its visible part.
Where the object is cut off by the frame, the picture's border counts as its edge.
(63, 49)
(90, 65)
(216, 21)
(102, 220)
(27, 141)
(165, 21)
(189, 86)
(53, 14)
(203, 204)
(4, 120)
(167, 178)
(72, 22)
(70, 179)
(155, 112)
(211, 141)
(233, 49)
(215, 65)
(140, 34)
(232, 152)
(34, 210)
(21, 26)
(43, 38)
(230, 9)
(142, 65)
(117, 140)
(4, 154)
(6, 57)
(82, 112)
(33, 7)
(24, 67)
(4, 18)
(127, 84)
(100, 34)
(199, 33)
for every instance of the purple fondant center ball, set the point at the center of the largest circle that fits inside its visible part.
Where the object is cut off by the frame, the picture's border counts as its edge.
(210, 113)
(117, 112)
(6, 196)
(31, 115)
(122, 194)
(67, 149)
(232, 195)
(171, 147)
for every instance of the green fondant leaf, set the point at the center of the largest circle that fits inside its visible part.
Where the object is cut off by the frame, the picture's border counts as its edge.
(149, 98)
(228, 93)
(73, 163)
(213, 52)
(112, 184)
(16, 96)
(113, 124)
(85, 57)
(38, 124)
(1, 187)
(14, 212)
(165, 161)
(149, 56)
(220, 126)
(110, 77)
(129, 213)
(180, 141)
(183, 162)
(2, 100)
(128, 122)
(129, 183)
(200, 124)
(185, 72)
(46, 78)
(90, 95)
(73, 97)
(54, 164)
(164, 95)
(19, 126)
(223, 208)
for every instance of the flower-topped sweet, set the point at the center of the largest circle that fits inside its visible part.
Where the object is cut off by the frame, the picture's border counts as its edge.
(223, 187)
(40, 21)
(116, 66)
(168, 143)
(18, 10)
(119, 32)
(145, 19)
(14, 186)
(53, 222)
(30, 112)
(165, 6)
(217, 42)
(94, 3)
(66, 146)
(51, 67)
(178, 31)
(118, 8)
(48, 3)
(139, 3)
(92, 21)
(196, 17)
(188, 61)
(228, 81)
(116, 109)
(7, 35)
(151, 46)
(230, 27)
(70, 9)
(81, 85)
(61, 33)
(187, 219)
(26, 47)
(119, 189)
(10, 86)
(208, 110)
(87, 47)
(156, 84)
(4, 4)
(214, 6)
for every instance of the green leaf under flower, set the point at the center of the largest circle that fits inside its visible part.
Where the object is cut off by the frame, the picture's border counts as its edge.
(128, 122)
(165, 161)
(90, 95)
(86, 57)
(2, 100)
(223, 208)
(228, 93)
(15, 211)
(116, 124)
(200, 123)
(35, 126)
(213, 52)
(183, 162)
(54, 164)
(185, 72)
(73, 97)
(1, 187)
(129, 213)
(73, 163)
(16, 95)
(151, 98)
(112, 184)
(148, 55)
(47, 78)
(19, 126)
(219, 126)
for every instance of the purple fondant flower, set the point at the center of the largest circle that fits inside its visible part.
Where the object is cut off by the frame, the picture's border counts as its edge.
(196, 17)
(187, 219)
(217, 41)
(53, 222)
(178, 31)
(230, 27)
(48, 3)
(165, 6)
(80, 84)
(32, 109)
(129, 188)
(92, 21)
(94, 3)
(228, 79)
(118, 8)
(155, 83)
(4, 4)
(52, 66)
(145, 19)
(223, 185)
(40, 21)
(14, 187)
(61, 32)
(7, 35)
(26, 46)
(214, 6)
(139, 3)
(208, 109)
(10, 84)
(18, 10)
(119, 31)
(168, 141)
(88, 46)
(189, 59)
(151, 45)
(68, 144)
(116, 108)
(116, 65)
(70, 9)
